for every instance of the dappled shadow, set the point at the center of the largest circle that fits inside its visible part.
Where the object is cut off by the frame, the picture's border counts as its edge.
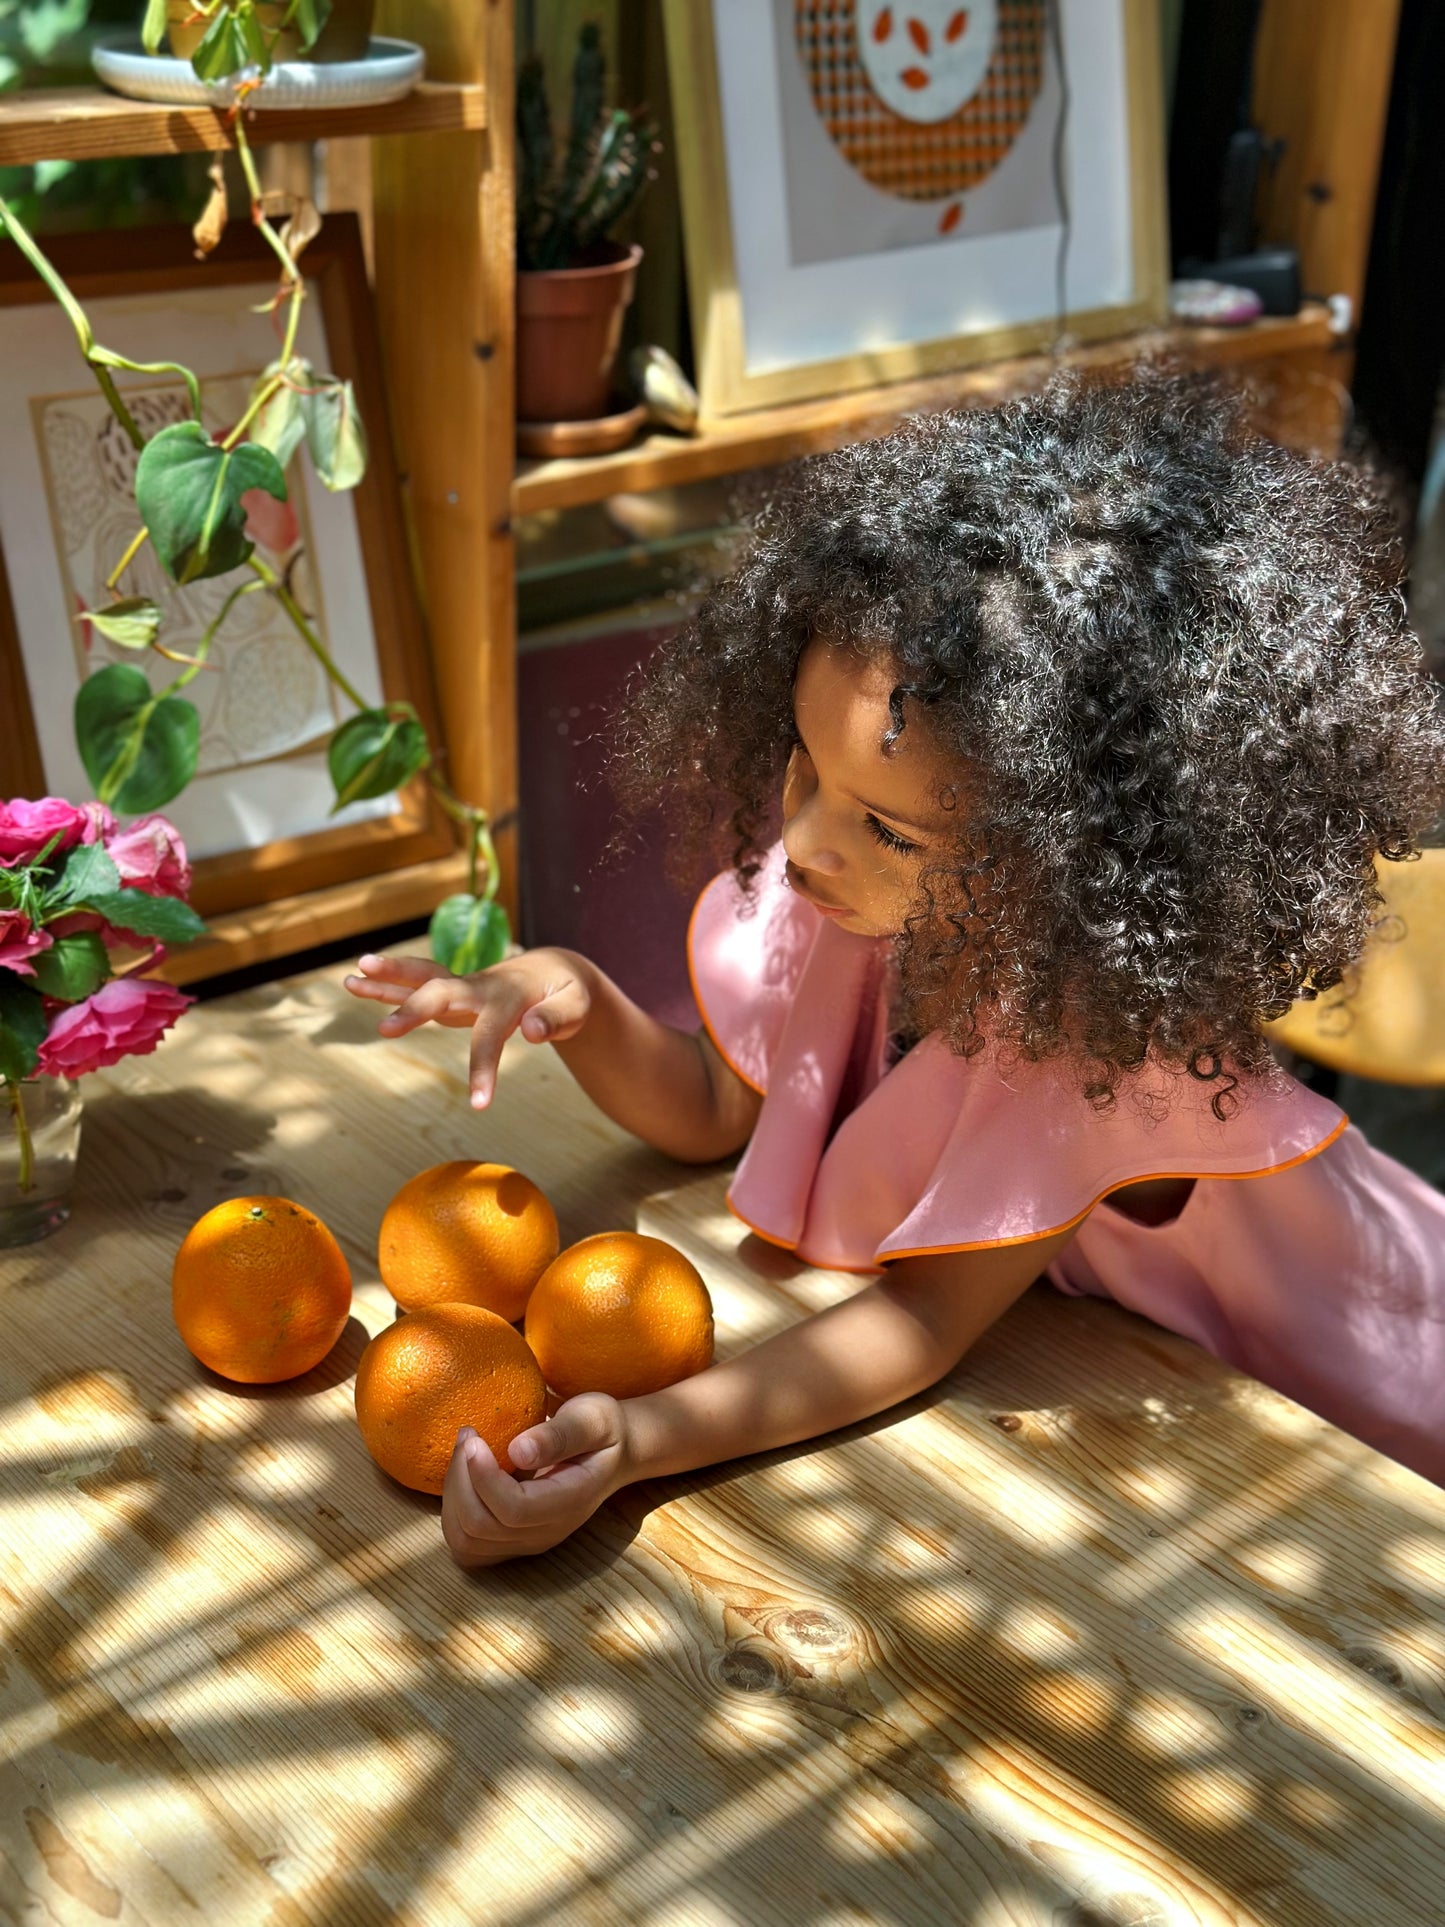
(1087, 1634)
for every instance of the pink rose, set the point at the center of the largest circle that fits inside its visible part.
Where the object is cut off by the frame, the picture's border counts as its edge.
(125, 1018)
(151, 857)
(101, 824)
(26, 828)
(19, 941)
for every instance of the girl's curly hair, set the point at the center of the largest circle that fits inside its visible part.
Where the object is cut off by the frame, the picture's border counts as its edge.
(1172, 661)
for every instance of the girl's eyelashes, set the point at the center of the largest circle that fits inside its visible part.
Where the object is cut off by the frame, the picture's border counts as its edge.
(890, 839)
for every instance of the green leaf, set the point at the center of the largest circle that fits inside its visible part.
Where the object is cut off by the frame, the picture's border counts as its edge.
(73, 967)
(335, 435)
(134, 622)
(22, 1026)
(281, 425)
(51, 173)
(189, 491)
(228, 46)
(165, 918)
(153, 29)
(308, 17)
(139, 749)
(45, 24)
(375, 752)
(88, 871)
(469, 933)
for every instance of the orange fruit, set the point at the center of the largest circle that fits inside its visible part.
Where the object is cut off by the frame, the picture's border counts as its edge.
(467, 1234)
(434, 1371)
(260, 1290)
(619, 1313)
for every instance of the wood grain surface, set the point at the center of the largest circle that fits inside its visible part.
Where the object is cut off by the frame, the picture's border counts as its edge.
(88, 124)
(1095, 1634)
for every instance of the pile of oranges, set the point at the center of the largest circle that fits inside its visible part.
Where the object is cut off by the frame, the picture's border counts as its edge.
(261, 1292)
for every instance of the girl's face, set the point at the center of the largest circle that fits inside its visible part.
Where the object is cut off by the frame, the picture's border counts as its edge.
(860, 822)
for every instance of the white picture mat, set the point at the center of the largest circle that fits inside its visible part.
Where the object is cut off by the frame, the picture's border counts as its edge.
(213, 330)
(796, 315)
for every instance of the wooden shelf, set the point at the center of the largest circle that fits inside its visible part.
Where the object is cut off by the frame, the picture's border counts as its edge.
(89, 124)
(731, 443)
(287, 924)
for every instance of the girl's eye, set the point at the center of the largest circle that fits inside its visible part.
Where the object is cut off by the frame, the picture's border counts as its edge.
(890, 839)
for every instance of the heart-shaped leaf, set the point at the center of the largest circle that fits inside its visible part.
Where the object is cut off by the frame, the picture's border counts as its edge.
(308, 17)
(153, 28)
(134, 622)
(335, 435)
(165, 918)
(22, 1026)
(189, 491)
(73, 967)
(139, 749)
(232, 41)
(280, 425)
(469, 933)
(374, 752)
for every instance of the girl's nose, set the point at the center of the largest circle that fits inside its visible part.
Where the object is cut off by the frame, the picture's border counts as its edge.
(806, 845)
(805, 837)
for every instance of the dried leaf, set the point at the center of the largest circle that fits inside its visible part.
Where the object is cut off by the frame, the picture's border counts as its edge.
(300, 222)
(302, 228)
(212, 225)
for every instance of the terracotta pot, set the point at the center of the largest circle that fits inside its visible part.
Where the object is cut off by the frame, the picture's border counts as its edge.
(569, 327)
(344, 37)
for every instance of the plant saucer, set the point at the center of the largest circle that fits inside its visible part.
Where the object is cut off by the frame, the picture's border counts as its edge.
(388, 71)
(603, 435)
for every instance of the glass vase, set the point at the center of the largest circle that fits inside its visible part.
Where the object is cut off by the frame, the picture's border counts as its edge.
(39, 1138)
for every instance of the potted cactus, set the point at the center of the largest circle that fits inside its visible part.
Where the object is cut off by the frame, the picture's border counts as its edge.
(573, 283)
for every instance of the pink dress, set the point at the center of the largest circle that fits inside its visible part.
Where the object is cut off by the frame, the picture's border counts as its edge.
(1324, 1276)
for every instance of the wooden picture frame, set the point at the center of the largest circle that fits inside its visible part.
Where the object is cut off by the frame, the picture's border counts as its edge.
(739, 228)
(159, 261)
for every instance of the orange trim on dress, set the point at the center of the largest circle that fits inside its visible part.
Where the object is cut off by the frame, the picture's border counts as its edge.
(1036, 1237)
(761, 1089)
(782, 1244)
(1145, 1177)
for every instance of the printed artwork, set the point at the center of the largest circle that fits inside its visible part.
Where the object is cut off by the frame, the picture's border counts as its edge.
(272, 699)
(907, 121)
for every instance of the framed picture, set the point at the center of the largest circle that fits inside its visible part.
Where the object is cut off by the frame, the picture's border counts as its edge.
(873, 190)
(257, 817)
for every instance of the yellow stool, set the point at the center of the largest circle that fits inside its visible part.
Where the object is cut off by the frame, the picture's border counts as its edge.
(1393, 1026)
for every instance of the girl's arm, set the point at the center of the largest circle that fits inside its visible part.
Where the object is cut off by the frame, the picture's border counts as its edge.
(889, 1341)
(668, 1087)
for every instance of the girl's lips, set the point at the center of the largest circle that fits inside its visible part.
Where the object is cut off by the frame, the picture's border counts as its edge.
(826, 909)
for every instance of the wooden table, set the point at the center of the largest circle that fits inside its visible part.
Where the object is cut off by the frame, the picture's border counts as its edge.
(1096, 1633)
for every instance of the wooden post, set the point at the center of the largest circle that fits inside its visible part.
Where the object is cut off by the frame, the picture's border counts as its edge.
(1322, 83)
(444, 222)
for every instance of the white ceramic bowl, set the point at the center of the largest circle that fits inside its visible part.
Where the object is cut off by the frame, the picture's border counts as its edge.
(390, 69)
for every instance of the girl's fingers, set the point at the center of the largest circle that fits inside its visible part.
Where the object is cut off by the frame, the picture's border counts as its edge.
(584, 1424)
(401, 970)
(559, 1015)
(424, 1004)
(544, 1502)
(506, 1008)
(374, 990)
(464, 1512)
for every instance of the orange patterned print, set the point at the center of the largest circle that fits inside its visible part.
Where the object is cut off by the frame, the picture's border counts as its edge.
(905, 124)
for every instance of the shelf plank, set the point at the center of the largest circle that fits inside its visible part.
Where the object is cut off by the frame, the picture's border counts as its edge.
(729, 443)
(88, 124)
(267, 931)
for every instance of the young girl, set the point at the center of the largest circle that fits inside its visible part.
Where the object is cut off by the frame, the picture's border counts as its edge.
(1089, 715)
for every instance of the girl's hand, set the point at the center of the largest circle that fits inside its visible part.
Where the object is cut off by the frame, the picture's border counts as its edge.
(576, 1459)
(545, 994)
